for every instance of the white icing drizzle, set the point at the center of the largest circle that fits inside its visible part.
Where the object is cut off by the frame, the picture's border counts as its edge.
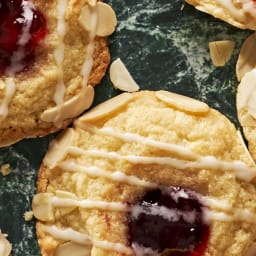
(16, 64)
(88, 63)
(67, 234)
(59, 58)
(117, 176)
(171, 215)
(89, 204)
(10, 90)
(71, 235)
(241, 170)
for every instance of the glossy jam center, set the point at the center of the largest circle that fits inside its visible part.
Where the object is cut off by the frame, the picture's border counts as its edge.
(21, 29)
(169, 223)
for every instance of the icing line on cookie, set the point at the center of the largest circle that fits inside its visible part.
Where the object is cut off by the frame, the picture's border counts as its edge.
(70, 234)
(241, 170)
(59, 58)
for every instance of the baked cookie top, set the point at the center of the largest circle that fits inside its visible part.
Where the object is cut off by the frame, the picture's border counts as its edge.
(239, 13)
(53, 55)
(147, 173)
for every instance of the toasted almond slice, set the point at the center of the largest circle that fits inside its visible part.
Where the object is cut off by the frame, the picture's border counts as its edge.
(71, 108)
(42, 206)
(107, 108)
(252, 162)
(221, 52)
(106, 20)
(247, 120)
(65, 195)
(59, 148)
(92, 3)
(246, 95)
(183, 103)
(121, 78)
(247, 57)
(85, 18)
(5, 246)
(71, 248)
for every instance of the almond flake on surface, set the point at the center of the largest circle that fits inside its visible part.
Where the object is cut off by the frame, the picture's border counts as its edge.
(28, 216)
(5, 169)
(246, 95)
(66, 195)
(71, 248)
(42, 206)
(58, 148)
(183, 103)
(121, 78)
(221, 52)
(5, 245)
(247, 57)
(107, 20)
(106, 108)
(72, 107)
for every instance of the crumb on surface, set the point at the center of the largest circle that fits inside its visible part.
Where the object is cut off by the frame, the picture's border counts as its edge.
(28, 215)
(5, 169)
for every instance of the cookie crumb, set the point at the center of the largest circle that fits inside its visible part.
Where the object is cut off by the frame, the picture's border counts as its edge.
(28, 215)
(5, 169)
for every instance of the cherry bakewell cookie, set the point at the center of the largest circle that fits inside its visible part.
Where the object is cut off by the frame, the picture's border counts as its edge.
(52, 54)
(239, 13)
(147, 173)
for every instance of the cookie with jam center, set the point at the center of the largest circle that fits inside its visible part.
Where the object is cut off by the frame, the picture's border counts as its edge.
(147, 173)
(52, 54)
(241, 14)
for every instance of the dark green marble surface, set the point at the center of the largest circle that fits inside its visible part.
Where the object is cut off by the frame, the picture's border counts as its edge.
(163, 48)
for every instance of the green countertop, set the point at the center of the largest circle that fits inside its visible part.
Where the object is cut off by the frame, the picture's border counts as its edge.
(164, 46)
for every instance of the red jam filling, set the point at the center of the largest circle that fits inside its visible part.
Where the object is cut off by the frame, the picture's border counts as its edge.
(22, 27)
(169, 223)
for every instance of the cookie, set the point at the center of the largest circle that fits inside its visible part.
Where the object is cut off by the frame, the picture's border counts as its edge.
(245, 101)
(237, 13)
(50, 61)
(147, 173)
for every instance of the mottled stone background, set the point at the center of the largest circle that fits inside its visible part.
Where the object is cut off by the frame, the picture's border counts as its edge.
(164, 47)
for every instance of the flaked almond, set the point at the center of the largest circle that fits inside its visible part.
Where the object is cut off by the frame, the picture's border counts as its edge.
(221, 52)
(5, 246)
(28, 215)
(92, 2)
(106, 20)
(42, 206)
(106, 108)
(5, 169)
(59, 148)
(85, 18)
(65, 195)
(71, 248)
(246, 94)
(247, 120)
(183, 103)
(247, 57)
(72, 107)
(240, 137)
(121, 77)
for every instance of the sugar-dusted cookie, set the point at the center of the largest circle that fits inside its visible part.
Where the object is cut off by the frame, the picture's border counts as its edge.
(52, 54)
(239, 13)
(147, 173)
